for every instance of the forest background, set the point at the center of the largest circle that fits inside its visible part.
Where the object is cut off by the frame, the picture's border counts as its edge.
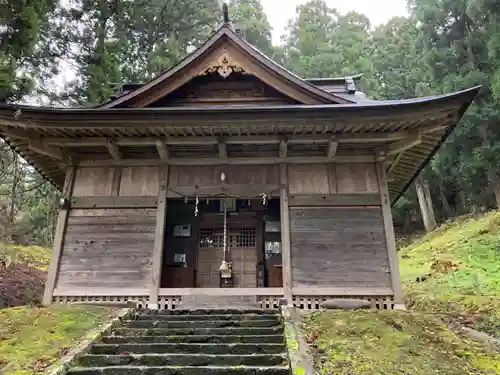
(440, 47)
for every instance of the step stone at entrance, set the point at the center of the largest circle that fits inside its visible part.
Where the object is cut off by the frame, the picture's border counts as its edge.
(182, 370)
(218, 302)
(239, 331)
(191, 342)
(227, 339)
(184, 360)
(187, 348)
(204, 324)
(192, 317)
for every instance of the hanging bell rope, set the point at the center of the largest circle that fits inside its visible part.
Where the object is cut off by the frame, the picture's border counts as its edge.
(224, 267)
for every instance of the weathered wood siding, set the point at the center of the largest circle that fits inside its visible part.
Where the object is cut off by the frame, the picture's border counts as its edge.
(91, 182)
(324, 179)
(108, 249)
(116, 181)
(338, 247)
(235, 175)
(140, 181)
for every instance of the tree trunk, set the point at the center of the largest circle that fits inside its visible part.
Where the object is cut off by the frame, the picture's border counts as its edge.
(461, 202)
(493, 179)
(494, 182)
(450, 212)
(425, 202)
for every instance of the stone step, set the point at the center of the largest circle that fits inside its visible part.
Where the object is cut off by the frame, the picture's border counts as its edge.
(184, 370)
(216, 311)
(238, 331)
(227, 339)
(201, 323)
(239, 317)
(156, 360)
(187, 348)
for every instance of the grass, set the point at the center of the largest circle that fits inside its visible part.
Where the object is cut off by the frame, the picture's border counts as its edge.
(451, 277)
(462, 263)
(32, 338)
(363, 342)
(32, 256)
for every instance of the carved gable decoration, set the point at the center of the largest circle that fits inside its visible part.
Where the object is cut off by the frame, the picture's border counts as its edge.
(224, 64)
(213, 88)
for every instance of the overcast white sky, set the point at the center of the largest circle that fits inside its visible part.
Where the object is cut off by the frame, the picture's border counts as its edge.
(280, 11)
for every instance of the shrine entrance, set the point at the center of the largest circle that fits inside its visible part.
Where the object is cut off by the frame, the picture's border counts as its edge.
(212, 237)
(236, 245)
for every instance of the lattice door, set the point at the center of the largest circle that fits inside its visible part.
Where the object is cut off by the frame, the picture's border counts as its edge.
(242, 254)
(210, 256)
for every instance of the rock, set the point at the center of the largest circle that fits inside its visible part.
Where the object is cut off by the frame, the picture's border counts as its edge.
(489, 342)
(345, 304)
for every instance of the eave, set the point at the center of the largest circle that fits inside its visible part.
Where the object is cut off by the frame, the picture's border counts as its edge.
(409, 131)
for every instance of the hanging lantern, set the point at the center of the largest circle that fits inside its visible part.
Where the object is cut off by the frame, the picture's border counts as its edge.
(185, 199)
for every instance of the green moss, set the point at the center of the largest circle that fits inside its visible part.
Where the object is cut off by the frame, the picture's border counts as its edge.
(463, 264)
(33, 338)
(392, 342)
(299, 371)
(291, 340)
(33, 256)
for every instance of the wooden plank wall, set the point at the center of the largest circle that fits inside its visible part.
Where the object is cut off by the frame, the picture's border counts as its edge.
(338, 247)
(110, 248)
(235, 175)
(330, 179)
(336, 227)
(332, 244)
(126, 181)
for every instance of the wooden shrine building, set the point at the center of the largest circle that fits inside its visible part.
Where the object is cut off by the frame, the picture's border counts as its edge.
(227, 175)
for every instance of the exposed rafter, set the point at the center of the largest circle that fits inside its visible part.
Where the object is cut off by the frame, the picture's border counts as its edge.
(52, 152)
(403, 145)
(395, 162)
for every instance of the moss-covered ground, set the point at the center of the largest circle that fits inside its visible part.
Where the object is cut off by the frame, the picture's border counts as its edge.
(451, 278)
(365, 342)
(461, 263)
(31, 256)
(33, 338)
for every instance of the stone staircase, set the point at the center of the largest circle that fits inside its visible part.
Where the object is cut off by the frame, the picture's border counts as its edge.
(191, 342)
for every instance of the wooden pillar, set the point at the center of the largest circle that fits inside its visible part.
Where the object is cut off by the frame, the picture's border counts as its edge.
(59, 234)
(390, 237)
(157, 257)
(285, 234)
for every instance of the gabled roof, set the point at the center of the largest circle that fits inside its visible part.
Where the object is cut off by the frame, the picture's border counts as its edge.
(236, 53)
